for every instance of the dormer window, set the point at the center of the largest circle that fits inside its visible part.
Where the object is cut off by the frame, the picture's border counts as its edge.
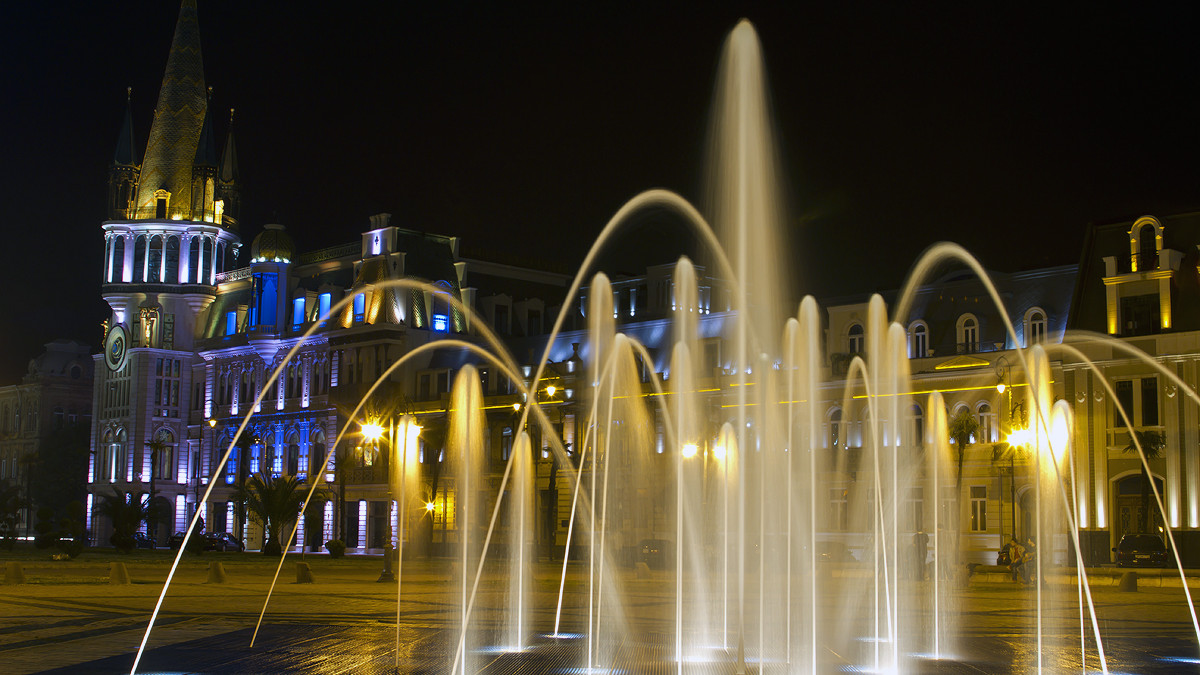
(968, 334)
(1035, 327)
(918, 340)
(162, 201)
(855, 338)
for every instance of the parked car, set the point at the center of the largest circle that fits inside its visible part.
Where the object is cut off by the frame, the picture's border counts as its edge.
(834, 551)
(176, 540)
(143, 540)
(656, 553)
(222, 541)
(1141, 550)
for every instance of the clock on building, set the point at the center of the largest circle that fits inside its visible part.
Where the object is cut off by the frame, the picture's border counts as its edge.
(116, 347)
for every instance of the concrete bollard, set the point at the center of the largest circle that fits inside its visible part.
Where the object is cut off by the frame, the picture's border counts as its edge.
(118, 574)
(216, 573)
(13, 573)
(642, 570)
(1128, 583)
(304, 574)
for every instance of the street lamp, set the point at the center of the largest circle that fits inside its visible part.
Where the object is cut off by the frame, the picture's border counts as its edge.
(212, 426)
(408, 433)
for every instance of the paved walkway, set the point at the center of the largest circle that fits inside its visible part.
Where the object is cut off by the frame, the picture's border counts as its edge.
(345, 623)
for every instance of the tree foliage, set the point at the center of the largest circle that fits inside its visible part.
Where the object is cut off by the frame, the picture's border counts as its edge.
(274, 502)
(126, 512)
(11, 504)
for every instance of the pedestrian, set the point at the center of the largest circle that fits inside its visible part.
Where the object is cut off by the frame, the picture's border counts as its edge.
(1025, 571)
(920, 552)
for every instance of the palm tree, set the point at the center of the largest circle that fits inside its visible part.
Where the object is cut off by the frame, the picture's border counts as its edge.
(126, 513)
(962, 429)
(1153, 443)
(156, 446)
(274, 502)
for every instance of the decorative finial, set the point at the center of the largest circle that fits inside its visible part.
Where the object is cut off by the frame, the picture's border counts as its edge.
(210, 92)
(128, 94)
(231, 115)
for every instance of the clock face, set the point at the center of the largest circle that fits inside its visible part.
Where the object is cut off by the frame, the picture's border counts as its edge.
(116, 347)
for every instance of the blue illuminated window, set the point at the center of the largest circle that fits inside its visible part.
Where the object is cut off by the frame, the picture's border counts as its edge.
(440, 323)
(323, 306)
(230, 323)
(297, 311)
(360, 305)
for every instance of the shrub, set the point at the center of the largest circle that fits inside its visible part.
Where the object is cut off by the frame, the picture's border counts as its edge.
(336, 548)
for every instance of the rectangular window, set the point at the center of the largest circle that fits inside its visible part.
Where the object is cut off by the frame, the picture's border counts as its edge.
(360, 306)
(837, 508)
(535, 322)
(1124, 390)
(323, 307)
(978, 508)
(914, 507)
(441, 323)
(230, 323)
(297, 312)
(1150, 402)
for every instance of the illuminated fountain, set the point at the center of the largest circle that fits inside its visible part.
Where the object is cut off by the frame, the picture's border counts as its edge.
(741, 476)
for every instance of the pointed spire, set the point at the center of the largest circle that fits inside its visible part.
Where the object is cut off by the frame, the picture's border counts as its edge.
(206, 147)
(229, 163)
(178, 120)
(126, 152)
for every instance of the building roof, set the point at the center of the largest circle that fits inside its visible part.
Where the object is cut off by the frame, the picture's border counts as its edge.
(178, 119)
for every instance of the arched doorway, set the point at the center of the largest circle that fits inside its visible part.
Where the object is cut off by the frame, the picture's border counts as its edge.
(1128, 492)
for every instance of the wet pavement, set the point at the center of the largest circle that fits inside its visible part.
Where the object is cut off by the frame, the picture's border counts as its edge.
(335, 650)
(346, 623)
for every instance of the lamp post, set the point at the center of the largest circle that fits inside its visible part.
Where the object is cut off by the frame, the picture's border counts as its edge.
(373, 432)
(212, 426)
(398, 453)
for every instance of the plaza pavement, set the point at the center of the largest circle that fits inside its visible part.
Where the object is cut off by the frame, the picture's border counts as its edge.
(67, 618)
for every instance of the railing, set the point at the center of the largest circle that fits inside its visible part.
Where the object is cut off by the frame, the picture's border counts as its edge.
(977, 347)
(232, 275)
(340, 251)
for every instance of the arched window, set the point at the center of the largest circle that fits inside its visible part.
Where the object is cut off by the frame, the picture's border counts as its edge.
(163, 459)
(855, 338)
(193, 261)
(171, 264)
(833, 429)
(968, 334)
(154, 259)
(204, 276)
(916, 426)
(118, 463)
(987, 423)
(1147, 248)
(1035, 327)
(104, 468)
(118, 260)
(317, 452)
(918, 340)
(139, 258)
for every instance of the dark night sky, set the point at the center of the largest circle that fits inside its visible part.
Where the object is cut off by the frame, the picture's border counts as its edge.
(524, 128)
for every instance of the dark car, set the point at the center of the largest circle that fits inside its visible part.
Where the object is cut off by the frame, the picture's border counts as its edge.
(176, 540)
(834, 551)
(222, 541)
(1141, 550)
(143, 540)
(656, 553)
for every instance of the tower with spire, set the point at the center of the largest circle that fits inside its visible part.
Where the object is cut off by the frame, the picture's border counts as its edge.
(170, 237)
